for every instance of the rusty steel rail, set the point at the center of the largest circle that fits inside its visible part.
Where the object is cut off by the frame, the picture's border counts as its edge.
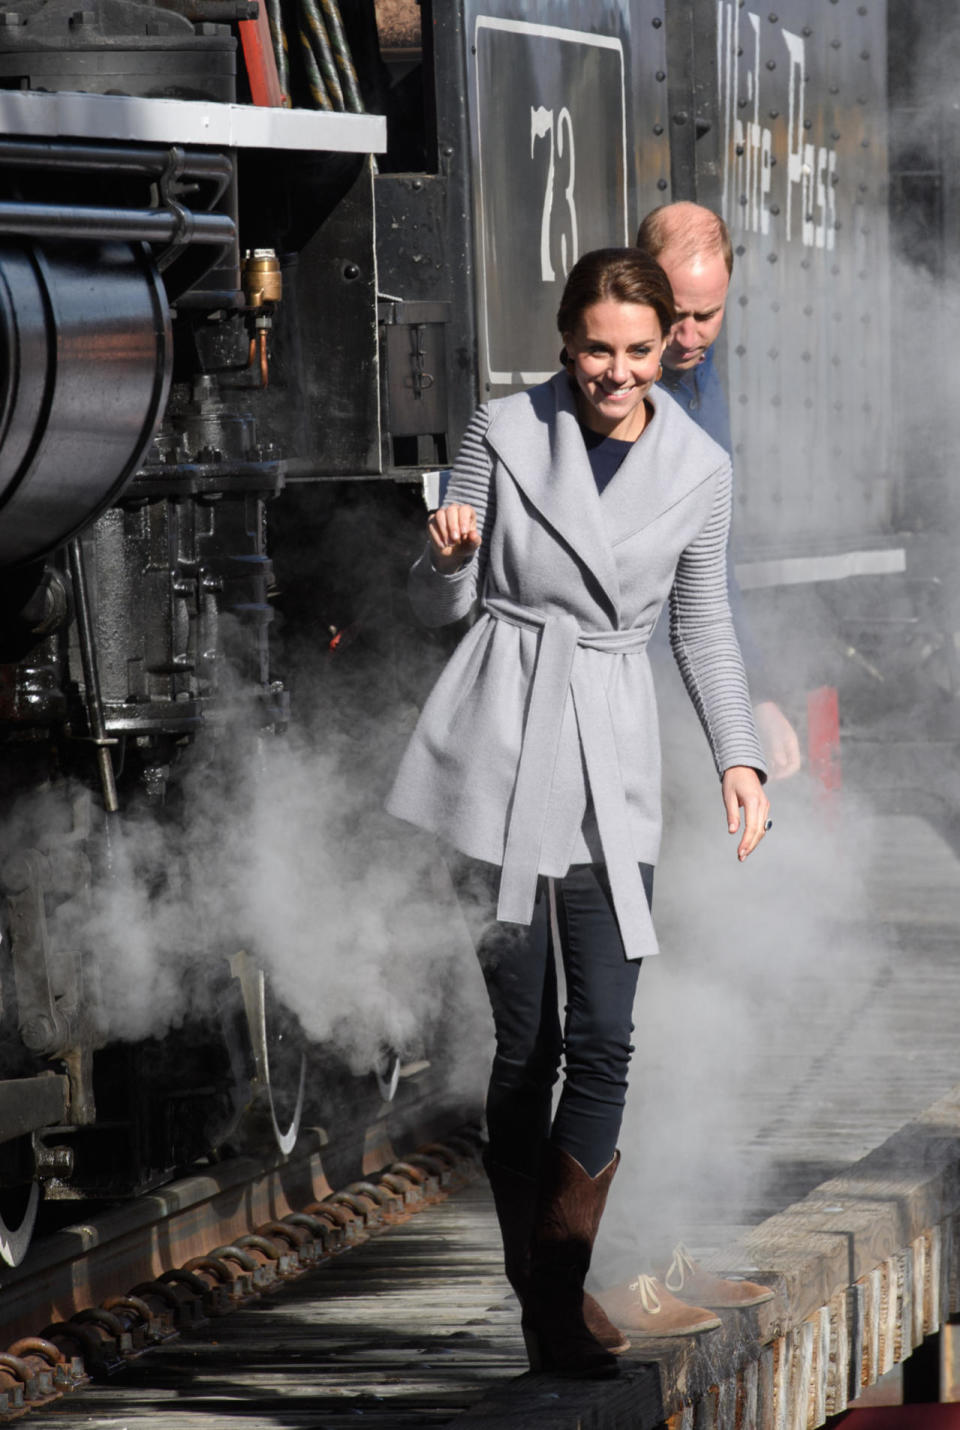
(107, 1291)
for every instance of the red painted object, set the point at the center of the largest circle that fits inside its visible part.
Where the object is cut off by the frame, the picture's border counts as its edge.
(261, 62)
(902, 1417)
(823, 738)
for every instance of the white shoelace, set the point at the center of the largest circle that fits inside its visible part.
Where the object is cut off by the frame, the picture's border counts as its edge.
(646, 1289)
(677, 1274)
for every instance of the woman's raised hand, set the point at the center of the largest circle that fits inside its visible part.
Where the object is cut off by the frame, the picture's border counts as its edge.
(453, 536)
(742, 790)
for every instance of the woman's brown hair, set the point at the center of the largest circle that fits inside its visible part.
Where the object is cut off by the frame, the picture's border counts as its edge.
(623, 275)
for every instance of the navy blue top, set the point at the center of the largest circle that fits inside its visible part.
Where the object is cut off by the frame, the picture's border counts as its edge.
(605, 453)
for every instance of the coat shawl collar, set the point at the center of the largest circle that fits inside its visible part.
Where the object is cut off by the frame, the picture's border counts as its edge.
(537, 436)
(670, 459)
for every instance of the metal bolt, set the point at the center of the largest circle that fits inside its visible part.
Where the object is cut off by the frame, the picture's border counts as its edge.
(52, 1161)
(351, 272)
(660, 76)
(38, 1033)
(656, 22)
(658, 129)
(680, 117)
(771, 64)
(661, 184)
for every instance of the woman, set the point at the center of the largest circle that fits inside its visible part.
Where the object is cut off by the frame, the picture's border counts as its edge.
(575, 510)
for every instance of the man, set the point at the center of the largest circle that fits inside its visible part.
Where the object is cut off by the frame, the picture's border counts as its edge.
(692, 246)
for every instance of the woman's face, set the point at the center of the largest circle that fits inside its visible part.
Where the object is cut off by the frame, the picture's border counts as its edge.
(615, 350)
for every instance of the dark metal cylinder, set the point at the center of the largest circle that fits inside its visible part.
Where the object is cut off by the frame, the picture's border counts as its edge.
(85, 358)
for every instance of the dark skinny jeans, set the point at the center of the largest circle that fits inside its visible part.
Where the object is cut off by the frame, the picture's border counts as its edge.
(519, 966)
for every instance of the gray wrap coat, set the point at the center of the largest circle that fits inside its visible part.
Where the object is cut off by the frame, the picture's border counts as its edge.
(538, 747)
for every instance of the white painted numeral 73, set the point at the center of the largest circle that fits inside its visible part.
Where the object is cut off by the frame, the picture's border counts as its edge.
(560, 147)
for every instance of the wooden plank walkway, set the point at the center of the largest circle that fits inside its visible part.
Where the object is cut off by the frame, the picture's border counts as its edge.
(794, 1060)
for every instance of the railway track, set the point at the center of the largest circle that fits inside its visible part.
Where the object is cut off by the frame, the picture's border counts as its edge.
(94, 1297)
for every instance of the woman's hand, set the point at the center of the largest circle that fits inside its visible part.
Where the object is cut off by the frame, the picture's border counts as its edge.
(742, 790)
(453, 537)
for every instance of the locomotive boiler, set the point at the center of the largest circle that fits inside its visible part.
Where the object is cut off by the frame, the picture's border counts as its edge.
(259, 260)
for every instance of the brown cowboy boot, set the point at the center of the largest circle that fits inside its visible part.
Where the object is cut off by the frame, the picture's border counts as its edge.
(570, 1206)
(515, 1200)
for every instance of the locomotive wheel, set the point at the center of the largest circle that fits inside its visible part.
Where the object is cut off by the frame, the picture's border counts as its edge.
(279, 1068)
(18, 1216)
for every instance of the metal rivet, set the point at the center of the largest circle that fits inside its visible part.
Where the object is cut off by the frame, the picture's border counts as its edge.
(656, 22)
(773, 18)
(740, 350)
(864, 54)
(740, 250)
(661, 184)
(660, 76)
(771, 64)
(743, 300)
(775, 209)
(774, 114)
(658, 129)
(806, 32)
(835, 44)
(739, 150)
(808, 124)
(680, 117)
(771, 258)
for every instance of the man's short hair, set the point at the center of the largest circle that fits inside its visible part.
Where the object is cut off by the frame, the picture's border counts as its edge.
(688, 230)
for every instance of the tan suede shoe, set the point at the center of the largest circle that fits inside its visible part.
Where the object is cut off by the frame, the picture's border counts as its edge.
(646, 1306)
(692, 1283)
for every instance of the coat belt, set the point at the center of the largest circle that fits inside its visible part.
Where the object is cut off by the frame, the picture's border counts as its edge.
(554, 674)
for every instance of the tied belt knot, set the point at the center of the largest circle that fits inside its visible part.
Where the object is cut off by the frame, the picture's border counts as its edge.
(554, 674)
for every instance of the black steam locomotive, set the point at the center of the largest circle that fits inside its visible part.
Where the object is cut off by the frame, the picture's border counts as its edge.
(259, 259)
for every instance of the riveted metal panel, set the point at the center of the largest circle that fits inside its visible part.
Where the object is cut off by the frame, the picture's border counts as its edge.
(569, 143)
(801, 100)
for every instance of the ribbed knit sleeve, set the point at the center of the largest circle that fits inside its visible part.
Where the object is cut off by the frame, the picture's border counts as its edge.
(438, 598)
(705, 643)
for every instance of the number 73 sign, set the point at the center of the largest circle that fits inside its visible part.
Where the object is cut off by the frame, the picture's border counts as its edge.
(548, 126)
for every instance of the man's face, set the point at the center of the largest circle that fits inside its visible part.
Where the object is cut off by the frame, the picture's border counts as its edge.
(700, 293)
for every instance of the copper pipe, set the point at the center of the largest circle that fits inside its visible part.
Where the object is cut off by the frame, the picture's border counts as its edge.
(264, 371)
